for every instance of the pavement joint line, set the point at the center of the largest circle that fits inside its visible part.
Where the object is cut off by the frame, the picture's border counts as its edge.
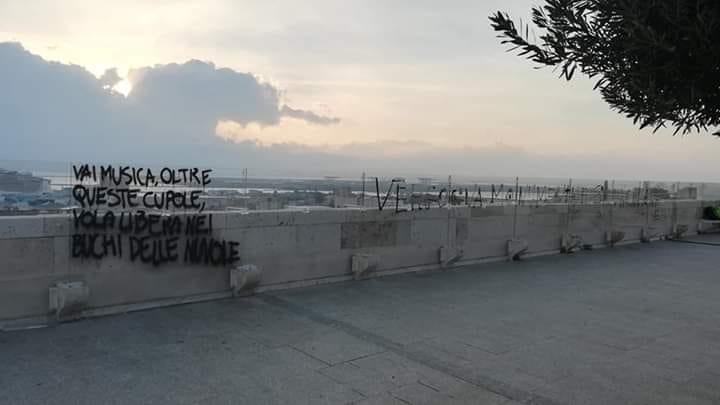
(692, 242)
(310, 355)
(400, 399)
(484, 382)
(424, 384)
(361, 357)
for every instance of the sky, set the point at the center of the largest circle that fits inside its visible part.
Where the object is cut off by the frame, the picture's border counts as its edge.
(289, 88)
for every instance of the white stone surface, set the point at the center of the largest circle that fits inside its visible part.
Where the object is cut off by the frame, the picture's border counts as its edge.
(294, 247)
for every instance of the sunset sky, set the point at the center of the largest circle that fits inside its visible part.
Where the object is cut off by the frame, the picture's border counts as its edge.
(311, 87)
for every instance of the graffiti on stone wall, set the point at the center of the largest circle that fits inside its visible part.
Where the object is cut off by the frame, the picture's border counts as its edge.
(145, 216)
(406, 197)
(398, 195)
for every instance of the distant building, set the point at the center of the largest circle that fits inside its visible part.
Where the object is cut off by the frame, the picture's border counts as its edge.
(18, 182)
(266, 203)
(254, 200)
(343, 197)
(687, 193)
(221, 202)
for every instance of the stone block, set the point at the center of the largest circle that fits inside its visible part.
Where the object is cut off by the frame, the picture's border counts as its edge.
(706, 226)
(68, 298)
(26, 257)
(244, 279)
(449, 255)
(486, 211)
(679, 231)
(57, 225)
(363, 264)
(356, 235)
(21, 227)
(516, 248)
(461, 230)
(320, 238)
(430, 232)
(648, 234)
(613, 237)
(570, 243)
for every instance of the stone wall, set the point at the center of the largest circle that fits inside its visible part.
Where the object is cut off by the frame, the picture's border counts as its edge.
(292, 248)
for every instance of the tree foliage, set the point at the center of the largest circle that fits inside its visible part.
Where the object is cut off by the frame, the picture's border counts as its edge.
(655, 61)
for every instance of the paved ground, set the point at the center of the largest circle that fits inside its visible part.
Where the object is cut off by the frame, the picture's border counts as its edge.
(635, 324)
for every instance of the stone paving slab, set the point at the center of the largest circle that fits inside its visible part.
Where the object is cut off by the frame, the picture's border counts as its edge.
(633, 324)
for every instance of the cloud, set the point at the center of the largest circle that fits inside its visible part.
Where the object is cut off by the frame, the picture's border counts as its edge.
(203, 93)
(48, 108)
(195, 113)
(60, 111)
(308, 116)
(286, 150)
(110, 78)
(288, 131)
